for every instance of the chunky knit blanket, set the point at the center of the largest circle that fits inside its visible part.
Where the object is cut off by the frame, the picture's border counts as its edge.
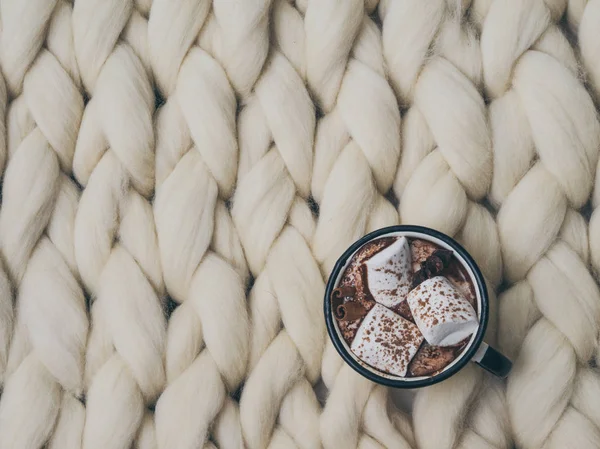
(179, 177)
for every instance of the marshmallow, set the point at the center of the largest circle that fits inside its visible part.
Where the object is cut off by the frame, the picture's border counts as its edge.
(389, 273)
(441, 312)
(386, 341)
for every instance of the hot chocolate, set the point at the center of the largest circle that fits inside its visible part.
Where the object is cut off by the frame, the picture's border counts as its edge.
(405, 306)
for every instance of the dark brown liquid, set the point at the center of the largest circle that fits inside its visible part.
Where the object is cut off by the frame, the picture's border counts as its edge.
(429, 360)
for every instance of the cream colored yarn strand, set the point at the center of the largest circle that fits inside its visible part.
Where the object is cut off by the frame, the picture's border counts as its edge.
(585, 19)
(445, 169)
(115, 239)
(278, 405)
(202, 259)
(589, 45)
(6, 296)
(546, 139)
(39, 406)
(354, 168)
(106, 196)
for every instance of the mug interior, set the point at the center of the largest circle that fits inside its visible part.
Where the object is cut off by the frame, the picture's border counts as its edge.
(410, 232)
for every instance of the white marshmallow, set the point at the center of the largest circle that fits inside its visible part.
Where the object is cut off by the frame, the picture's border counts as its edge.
(386, 341)
(441, 312)
(389, 273)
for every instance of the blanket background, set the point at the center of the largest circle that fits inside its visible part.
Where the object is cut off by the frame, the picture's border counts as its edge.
(179, 177)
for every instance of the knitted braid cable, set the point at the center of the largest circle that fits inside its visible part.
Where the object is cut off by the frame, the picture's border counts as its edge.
(115, 241)
(275, 226)
(546, 139)
(278, 405)
(589, 46)
(6, 296)
(356, 150)
(445, 169)
(40, 404)
(203, 262)
(585, 20)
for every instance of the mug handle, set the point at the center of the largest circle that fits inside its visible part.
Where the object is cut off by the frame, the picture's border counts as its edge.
(491, 360)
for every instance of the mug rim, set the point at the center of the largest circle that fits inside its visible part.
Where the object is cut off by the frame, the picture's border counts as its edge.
(400, 383)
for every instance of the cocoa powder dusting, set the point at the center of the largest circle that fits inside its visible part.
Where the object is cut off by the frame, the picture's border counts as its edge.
(429, 360)
(456, 273)
(355, 276)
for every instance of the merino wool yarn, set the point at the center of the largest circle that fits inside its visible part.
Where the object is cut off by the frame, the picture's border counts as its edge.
(535, 125)
(179, 178)
(445, 170)
(44, 375)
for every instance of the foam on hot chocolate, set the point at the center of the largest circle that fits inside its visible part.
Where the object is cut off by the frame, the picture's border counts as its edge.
(386, 341)
(389, 273)
(441, 312)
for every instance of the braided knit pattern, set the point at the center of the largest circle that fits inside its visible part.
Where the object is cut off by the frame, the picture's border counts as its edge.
(44, 375)
(6, 296)
(584, 19)
(202, 260)
(445, 169)
(278, 405)
(179, 177)
(115, 242)
(353, 170)
(546, 145)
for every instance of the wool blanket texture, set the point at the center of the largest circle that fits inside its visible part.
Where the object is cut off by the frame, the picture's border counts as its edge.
(180, 176)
